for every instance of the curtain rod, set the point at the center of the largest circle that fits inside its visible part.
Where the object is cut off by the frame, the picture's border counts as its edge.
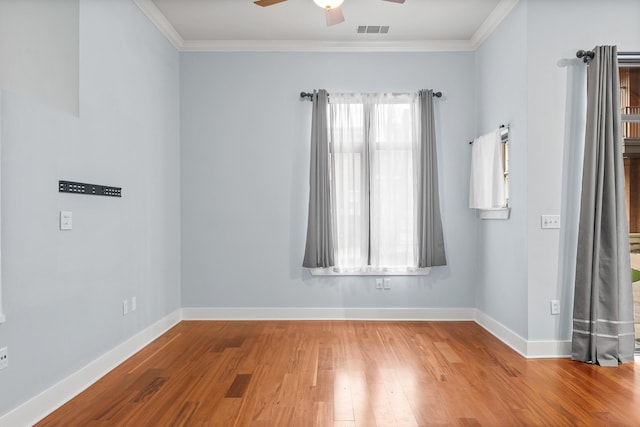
(504, 133)
(624, 57)
(309, 96)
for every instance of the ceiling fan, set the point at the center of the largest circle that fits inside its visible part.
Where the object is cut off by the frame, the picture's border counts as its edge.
(332, 8)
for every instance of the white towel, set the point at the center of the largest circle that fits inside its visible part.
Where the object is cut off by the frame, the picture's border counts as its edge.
(486, 186)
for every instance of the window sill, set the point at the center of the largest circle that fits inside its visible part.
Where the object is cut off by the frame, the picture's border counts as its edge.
(381, 272)
(495, 213)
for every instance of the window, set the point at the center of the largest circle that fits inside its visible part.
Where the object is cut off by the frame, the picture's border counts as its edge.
(372, 143)
(630, 109)
(373, 197)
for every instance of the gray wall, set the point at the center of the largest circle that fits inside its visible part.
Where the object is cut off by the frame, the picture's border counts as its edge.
(501, 249)
(63, 291)
(245, 160)
(528, 75)
(556, 30)
(39, 51)
(229, 164)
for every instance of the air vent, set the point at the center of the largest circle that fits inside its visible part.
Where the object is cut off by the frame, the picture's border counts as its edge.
(373, 29)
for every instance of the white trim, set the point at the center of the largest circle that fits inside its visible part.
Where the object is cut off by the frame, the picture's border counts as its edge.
(161, 22)
(504, 334)
(331, 272)
(158, 19)
(300, 313)
(494, 213)
(491, 23)
(548, 349)
(324, 46)
(51, 399)
(528, 349)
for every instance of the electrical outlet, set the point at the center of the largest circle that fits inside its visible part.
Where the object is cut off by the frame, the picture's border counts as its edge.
(387, 284)
(378, 283)
(4, 357)
(125, 307)
(550, 221)
(555, 306)
(134, 304)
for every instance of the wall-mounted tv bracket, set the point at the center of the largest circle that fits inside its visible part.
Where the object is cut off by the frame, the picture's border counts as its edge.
(94, 189)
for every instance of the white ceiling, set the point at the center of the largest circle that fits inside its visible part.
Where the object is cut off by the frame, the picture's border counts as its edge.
(299, 25)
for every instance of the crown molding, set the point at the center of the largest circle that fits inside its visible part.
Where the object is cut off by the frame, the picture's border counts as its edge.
(158, 19)
(491, 23)
(323, 46)
(154, 14)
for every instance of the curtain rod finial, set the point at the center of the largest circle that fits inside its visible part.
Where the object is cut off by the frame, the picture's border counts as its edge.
(586, 55)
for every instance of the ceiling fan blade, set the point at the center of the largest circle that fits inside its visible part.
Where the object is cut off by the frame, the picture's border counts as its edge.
(396, 1)
(334, 16)
(264, 3)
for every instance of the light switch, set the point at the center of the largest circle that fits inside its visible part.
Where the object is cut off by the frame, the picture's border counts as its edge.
(66, 220)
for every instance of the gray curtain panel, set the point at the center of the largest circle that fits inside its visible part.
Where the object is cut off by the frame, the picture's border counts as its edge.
(431, 250)
(319, 246)
(603, 330)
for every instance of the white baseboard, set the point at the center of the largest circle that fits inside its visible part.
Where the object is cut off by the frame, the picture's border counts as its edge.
(296, 313)
(504, 334)
(548, 349)
(49, 400)
(528, 349)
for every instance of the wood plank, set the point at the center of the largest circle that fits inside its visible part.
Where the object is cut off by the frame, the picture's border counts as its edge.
(348, 373)
(342, 401)
(238, 386)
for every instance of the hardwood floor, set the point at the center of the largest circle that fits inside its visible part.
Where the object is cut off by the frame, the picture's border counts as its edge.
(349, 373)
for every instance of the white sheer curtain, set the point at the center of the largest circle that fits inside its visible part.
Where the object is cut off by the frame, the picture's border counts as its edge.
(374, 142)
(349, 176)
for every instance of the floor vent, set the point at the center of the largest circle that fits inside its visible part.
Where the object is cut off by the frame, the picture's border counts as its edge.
(373, 29)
